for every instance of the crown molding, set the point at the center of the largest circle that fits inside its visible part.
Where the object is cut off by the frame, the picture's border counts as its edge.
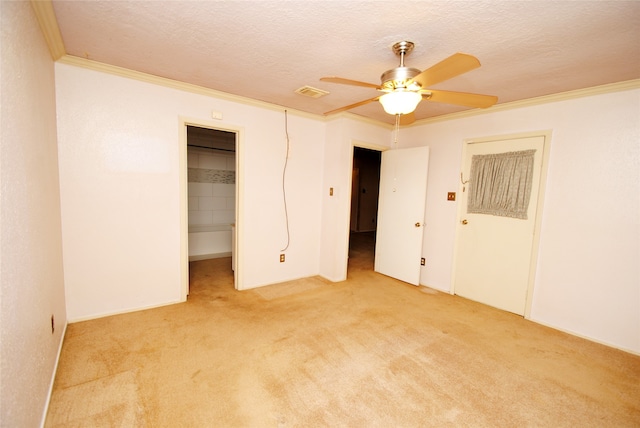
(201, 90)
(188, 87)
(358, 118)
(546, 99)
(49, 27)
(176, 84)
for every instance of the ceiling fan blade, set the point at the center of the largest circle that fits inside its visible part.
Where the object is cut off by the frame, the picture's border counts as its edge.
(407, 119)
(461, 98)
(350, 106)
(446, 69)
(349, 82)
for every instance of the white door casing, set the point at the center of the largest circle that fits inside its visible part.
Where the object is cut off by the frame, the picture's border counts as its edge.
(403, 190)
(184, 196)
(495, 256)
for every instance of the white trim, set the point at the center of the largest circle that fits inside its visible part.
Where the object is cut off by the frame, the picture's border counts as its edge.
(542, 185)
(53, 377)
(175, 84)
(357, 117)
(51, 31)
(347, 214)
(123, 311)
(589, 338)
(238, 238)
(201, 90)
(49, 26)
(545, 99)
(332, 279)
(369, 146)
(184, 200)
(184, 208)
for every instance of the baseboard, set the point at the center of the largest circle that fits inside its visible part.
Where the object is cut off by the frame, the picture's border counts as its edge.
(124, 311)
(589, 338)
(564, 330)
(336, 279)
(285, 281)
(53, 376)
(442, 290)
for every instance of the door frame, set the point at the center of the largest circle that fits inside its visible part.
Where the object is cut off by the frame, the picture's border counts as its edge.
(184, 199)
(539, 208)
(353, 145)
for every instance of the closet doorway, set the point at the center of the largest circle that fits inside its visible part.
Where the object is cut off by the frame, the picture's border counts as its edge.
(210, 197)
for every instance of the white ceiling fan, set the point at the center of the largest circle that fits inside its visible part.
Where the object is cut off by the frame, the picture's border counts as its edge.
(405, 87)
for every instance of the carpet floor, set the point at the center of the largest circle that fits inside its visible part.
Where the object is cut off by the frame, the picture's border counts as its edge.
(367, 352)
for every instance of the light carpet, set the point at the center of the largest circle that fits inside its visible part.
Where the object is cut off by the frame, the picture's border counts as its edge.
(367, 352)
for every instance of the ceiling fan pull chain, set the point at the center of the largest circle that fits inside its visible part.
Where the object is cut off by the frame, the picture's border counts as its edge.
(397, 130)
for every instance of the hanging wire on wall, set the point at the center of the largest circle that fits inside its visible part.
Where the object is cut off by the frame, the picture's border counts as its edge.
(284, 172)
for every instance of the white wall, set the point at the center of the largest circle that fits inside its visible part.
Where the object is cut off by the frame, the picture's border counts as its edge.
(119, 156)
(31, 251)
(120, 192)
(263, 219)
(588, 275)
(212, 202)
(211, 188)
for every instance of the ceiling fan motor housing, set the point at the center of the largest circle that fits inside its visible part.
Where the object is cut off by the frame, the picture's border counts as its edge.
(400, 78)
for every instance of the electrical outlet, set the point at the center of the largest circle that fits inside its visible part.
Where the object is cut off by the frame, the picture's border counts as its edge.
(281, 258)
(423, 262)
(451, 196)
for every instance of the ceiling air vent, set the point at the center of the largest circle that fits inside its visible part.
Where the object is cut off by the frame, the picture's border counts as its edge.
(309, 91)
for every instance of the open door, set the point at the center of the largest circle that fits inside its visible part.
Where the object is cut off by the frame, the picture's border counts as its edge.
(403, 190)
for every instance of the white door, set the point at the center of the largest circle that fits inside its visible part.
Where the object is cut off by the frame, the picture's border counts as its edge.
(494, 253)
(403, 190)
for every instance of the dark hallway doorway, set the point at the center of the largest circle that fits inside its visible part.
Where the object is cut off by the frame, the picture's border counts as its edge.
(365, 186)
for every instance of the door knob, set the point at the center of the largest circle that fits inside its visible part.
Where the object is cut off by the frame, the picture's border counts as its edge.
(464, 221)
(418, 224)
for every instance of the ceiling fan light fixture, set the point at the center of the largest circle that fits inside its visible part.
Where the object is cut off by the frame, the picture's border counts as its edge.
(400, 102)
(405, 87)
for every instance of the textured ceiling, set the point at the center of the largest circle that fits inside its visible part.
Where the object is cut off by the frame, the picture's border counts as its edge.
(265, 50)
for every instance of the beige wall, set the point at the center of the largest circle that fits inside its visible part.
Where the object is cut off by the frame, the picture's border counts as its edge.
(31, 253)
